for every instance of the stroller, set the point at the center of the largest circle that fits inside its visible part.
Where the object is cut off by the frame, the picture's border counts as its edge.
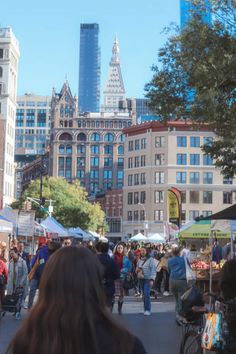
(12, 303)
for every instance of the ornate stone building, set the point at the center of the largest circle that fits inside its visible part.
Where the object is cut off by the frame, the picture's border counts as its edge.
(89, 146)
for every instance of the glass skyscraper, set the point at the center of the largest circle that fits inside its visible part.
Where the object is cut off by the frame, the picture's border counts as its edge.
(186, 9)
(89, 68)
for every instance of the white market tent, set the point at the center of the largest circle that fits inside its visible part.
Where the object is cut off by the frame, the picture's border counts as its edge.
(77, 232)
(53, 226)
(138, 237)
(155, 238)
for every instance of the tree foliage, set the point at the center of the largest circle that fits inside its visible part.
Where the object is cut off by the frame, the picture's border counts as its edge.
(197, 80)
(71, 207)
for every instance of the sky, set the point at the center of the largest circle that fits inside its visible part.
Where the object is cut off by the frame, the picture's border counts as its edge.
(48, 32)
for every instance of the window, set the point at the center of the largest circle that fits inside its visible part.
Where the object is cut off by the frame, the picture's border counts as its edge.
(61, 166)
(136, 144)
(183, 215)
(130, 198)
(107, 185)
(194, 197)
(195, 159)
(207, 177)
(142, 215)
(129, 216)
(1, 53)
(159, 177)
(94, 174)
(208, 141)
(207, 160)
(206, 213)
(107, 174)
(94, 161)
(108, 161)
(130, 180)
(1, 71)
(136, 161)
(68, 167)
(109, 137)
(80, 161)
(181, 159)
(136, 197)
(194, 141)
(121, 150)
(143, 160)
(194, 177)
(143, 178)
(143, 143)
(142, 197)
(108, 150)
(183, 197)
(159, 141)
(95, 137)
(82, 137)
(158, 215)
(131, 145)
(227, 180)
(136, 215)
(121, 138)
(94, 149)
(136, 179)
(159, 197)
(181, 141)
(69, 149)
(61, 149)
(180, 177)
(130, 162)
(193, 214)
(227, 197)
(159, 159)
(207, 197)
(80, 173)
(120, 174)
(120, 162)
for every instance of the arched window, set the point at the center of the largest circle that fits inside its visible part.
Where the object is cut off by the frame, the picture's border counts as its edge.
(69, 149)
(65, 136)
(1, 71)
(81, 137)
(95, 137)
(109, 137)
(120, 149)
(108, 150)
(61, 149)
(122, 138)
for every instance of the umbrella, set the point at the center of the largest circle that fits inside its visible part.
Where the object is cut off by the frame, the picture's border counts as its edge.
(155, 238)
(139, 237)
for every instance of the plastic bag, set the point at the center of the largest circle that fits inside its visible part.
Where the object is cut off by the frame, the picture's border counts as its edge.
(212, 336)
(190, 275)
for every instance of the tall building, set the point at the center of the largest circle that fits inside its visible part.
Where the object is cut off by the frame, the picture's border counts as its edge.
(88, 146)
(187, 8)
(89, 68)
(114, 92)
(158, 157)
(9, 58)
(32, 132)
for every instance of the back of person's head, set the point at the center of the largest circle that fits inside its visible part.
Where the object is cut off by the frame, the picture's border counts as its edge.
(104, 247)
(175, 250)
(70, 315)
(53, 246)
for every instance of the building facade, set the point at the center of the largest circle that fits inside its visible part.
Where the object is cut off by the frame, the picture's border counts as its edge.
(159, 157)
(89, 68)
(32, 132)
(89, 146)
(187, 7)
(9, 58)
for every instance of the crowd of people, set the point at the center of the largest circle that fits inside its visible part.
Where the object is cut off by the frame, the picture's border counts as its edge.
(90, 278)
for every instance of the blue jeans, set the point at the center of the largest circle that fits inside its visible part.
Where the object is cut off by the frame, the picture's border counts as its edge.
(146, 295)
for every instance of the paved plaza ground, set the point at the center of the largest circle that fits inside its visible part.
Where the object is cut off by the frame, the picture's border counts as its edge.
(158, 332)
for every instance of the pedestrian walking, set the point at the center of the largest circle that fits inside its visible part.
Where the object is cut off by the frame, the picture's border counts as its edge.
(70, 316)
(178, 282)
(17, 274)
(119, 290)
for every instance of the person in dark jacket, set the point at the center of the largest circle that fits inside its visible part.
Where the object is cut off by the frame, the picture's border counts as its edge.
(71, 316)
(111, 272)
(24, 255)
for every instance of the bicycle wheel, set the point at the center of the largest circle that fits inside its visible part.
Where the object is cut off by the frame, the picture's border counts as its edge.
(191, 343)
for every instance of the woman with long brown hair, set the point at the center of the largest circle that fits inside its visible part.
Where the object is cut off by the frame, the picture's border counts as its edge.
(70, 316)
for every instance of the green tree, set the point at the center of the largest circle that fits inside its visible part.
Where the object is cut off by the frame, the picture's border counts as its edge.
(71, 207)
(197, 80)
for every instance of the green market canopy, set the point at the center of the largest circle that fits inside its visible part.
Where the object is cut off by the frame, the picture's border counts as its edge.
(204, 228)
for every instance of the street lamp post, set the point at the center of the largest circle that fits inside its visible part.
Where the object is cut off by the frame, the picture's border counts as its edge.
(145, 218)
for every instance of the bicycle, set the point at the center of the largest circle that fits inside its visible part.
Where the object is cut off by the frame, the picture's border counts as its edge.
(191, 342)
